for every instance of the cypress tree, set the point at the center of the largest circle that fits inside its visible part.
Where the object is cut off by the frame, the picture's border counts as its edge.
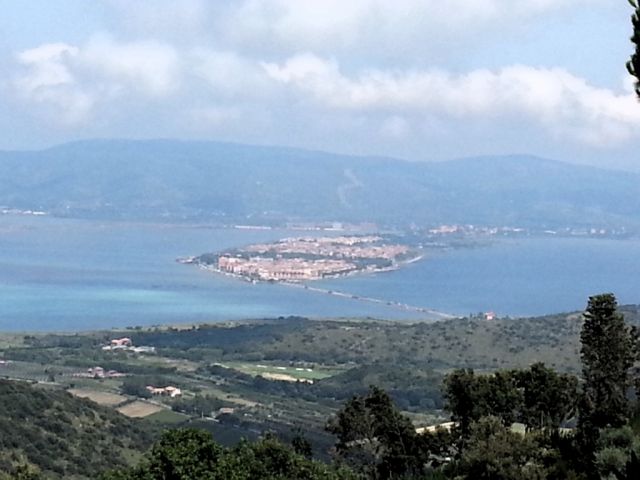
(633, 65)
(607, 353)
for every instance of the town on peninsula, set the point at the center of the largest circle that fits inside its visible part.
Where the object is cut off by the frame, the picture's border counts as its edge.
(292, 260)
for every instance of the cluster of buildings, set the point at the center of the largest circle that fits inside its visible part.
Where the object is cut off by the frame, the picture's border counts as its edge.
(99, 372)
(169, 391)
(334, 247)
(126, 344)
(17, 211)
(289, 269)
(295, 259)
(506, 231)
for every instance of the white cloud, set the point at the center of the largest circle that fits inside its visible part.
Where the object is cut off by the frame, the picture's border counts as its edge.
(150, 67)
(229, 66)
(49, 82)
(395, 32)
(47, 66)
(377, 28)
(230, 76)
(554, 98)
(68, 82)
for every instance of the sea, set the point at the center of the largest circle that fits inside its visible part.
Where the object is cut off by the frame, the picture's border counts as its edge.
(75, 275)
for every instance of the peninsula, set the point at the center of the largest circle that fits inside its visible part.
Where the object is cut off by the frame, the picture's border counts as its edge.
(308, 258)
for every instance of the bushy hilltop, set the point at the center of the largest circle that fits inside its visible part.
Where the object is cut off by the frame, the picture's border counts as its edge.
(239, 183)
(62, 436)
(469, 342)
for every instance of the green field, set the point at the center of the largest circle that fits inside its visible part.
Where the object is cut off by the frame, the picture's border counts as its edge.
(139, 409)
(297, 372)
(167, 417)
(100, 397)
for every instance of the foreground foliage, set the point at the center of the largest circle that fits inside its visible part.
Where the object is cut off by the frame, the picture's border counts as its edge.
(51, 432)
(374, 440)
(531, 422)
(191, 454)
(633, 65)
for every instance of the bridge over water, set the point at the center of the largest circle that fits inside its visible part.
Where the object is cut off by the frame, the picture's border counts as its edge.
(438, 315)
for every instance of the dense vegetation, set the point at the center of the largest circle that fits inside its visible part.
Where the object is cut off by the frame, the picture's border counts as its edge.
(63, 436)
(374, 440)
(470, 342)
(192, 454)
(288, 376)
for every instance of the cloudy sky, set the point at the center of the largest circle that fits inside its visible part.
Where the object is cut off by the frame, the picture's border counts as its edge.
(416, 79)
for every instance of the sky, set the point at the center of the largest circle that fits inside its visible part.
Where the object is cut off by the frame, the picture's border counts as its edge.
(413, 79)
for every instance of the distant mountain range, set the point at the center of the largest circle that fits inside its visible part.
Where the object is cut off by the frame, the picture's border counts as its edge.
(240, 183)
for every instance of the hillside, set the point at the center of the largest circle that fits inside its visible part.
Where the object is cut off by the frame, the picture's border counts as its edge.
(244, 378)
(64, 436)
(467, 342)
(238, 183)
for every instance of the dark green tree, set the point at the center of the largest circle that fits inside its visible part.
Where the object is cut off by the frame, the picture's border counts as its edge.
(300, 444)
(633, 65)
(548, 398)
(188, 454)
(356, 443)
(470, 397)
(184, 454)
(608, 353)
(271, 460)
(494, 452)
(461, 396)
(374, 437)
(618, 453)
(395, 433)
(500, 396)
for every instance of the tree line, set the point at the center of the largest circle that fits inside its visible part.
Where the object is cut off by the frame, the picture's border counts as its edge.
(532, 423)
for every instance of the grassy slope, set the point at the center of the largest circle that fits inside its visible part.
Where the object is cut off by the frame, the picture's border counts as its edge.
(471, 343)
(64, 436)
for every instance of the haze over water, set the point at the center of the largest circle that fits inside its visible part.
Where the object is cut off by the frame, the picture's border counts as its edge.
(58, 274)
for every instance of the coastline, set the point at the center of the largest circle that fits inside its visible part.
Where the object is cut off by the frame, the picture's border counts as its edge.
(305, 286)
(363, 271)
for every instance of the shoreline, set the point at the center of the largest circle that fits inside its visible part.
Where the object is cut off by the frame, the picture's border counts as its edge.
(305, 286)
(192, 260)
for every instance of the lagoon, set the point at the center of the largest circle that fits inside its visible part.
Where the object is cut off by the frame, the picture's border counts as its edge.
(63, 274)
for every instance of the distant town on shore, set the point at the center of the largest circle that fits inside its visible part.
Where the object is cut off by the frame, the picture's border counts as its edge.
(309, 258)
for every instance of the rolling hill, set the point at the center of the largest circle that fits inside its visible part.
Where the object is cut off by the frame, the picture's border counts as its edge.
(63, 436)
(239, 183)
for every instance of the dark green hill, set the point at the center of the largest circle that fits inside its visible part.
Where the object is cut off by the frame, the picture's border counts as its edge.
(239, 183)
(64, 436)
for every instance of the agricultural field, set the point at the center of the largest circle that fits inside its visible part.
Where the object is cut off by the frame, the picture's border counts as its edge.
(284, 372)
(139, 409)
(167, 417)
(100, 397)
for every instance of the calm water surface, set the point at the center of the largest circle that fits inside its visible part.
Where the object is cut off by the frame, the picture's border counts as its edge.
(70, 275)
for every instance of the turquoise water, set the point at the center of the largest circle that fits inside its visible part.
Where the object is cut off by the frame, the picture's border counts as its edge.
(525, 277)
(71, 275)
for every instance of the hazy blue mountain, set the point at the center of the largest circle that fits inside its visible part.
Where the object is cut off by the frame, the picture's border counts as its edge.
(229, 182)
